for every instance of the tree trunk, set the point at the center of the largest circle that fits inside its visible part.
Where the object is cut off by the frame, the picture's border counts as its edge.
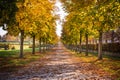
(21, 43)
(33, 46)
(46, 44)
(119, 39)
(106, 41)
(80, 46)
(86, 36)
(43, 39)
(40, 45)
(100, 46)
(112, 37)
(76, 47)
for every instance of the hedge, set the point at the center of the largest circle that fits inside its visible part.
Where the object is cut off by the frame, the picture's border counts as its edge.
(109, 47)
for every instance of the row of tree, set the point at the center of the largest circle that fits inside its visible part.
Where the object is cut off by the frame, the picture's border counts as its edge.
(89, 19)
(29, 18)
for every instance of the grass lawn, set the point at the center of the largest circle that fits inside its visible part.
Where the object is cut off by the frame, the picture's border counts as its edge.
(108, 64)
(9, 59)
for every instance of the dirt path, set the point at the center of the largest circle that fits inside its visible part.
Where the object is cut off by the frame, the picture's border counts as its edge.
(59, 65)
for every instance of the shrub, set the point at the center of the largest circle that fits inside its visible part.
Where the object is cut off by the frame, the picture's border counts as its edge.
(110, 47)
(5, 46)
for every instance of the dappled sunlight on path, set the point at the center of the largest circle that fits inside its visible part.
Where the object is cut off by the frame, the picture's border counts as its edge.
(58, 65)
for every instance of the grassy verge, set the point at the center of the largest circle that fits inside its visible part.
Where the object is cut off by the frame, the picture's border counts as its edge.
(13, 53)
(108, 64)
(9, 59)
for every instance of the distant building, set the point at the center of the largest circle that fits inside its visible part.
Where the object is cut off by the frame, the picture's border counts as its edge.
(112, 36)
(8, 38)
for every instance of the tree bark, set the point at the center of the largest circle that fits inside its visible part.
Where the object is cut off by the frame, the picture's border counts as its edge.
(33, 46)
(80, 46)
(106, 41)
(44, 44)
(100, 46)
(76, 47)
(21, 43)
(40, 45)
(112, 37)
(86, 35)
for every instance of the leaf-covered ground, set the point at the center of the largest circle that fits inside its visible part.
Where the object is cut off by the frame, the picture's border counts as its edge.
(60, 64)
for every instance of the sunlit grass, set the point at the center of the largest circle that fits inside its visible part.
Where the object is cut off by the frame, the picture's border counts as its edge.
(10, 58)
(13, 53)
(28, 57)
(109, 64)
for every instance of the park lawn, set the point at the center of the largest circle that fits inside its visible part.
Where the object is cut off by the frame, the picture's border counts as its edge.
(108, 64)
(9, 59)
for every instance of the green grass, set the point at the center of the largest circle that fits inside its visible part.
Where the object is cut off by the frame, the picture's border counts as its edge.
(13, 53)
(9, 59)
(8, 53)
(109, 64)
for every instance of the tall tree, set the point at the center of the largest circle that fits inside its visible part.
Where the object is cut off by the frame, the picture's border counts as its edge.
(7, 12)
(99, 15)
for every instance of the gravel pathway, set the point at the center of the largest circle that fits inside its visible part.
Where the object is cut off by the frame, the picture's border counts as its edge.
(59, 65)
